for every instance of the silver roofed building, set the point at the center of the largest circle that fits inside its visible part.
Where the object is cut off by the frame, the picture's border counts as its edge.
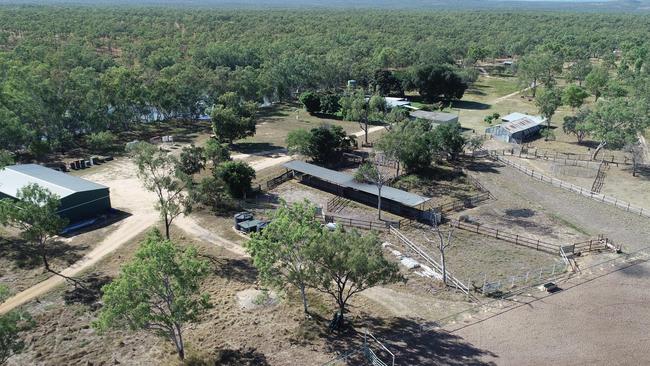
(435, 117)
(516, 127)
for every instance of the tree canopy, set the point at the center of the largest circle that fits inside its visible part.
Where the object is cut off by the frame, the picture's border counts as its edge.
(158, 291)
(281, 251)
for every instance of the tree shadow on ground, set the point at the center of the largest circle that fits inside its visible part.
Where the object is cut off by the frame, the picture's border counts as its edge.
(410, 343)
(91, 294)
(273, 111)
(467, 104)
(642, 171)
(520, 212)
(26, 255)
(236, 269)
(240, 357)
(636, 270)
(483, 166)
(328, 116)
(254, 147)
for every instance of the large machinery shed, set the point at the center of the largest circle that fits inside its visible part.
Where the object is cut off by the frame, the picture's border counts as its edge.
(80, 199)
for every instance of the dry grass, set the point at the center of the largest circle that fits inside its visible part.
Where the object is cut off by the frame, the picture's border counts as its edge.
(619, 181)
(276, 122)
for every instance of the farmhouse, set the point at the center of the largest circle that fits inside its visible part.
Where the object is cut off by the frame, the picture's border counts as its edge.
(80, 199)
(344, 185)
(516, 127)
(440, 118)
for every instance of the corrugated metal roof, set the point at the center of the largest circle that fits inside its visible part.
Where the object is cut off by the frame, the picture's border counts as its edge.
(15, 177)
(521, 124)
(517, 116)
(440, 117)
(394, 102)
(346, 180)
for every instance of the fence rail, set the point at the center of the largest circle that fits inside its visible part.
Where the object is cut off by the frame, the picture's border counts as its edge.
(560, 156)
(274, 182)
(599, 243)
(620, 204)
(462, 204)
(533, 277)
(360, 223)
(536, 244)
(436, 266)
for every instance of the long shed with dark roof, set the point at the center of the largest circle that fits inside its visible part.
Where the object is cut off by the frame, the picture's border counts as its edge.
(393, 200)
(80, 198)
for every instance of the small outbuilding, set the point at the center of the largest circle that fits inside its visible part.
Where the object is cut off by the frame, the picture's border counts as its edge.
(440, 118)
(516, 127)
(80, 199)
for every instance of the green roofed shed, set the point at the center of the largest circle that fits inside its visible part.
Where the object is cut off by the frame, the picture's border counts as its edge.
(80, 198)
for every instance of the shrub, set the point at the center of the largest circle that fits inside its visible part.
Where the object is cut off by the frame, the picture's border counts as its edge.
(238, 177)
(311, 101)
(192, 160)
(101, 142)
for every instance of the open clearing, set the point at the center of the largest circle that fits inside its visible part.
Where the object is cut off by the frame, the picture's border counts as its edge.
(601, 319)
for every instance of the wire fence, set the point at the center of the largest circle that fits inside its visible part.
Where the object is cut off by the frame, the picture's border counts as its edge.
(504, 284)
(613, 201)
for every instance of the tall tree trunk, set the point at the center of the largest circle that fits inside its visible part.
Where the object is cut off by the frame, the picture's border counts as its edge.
(46, 263)
(600, 147)
(444, 265)
(304, 298)
(534, 87)
(167, 225)
(178, 342)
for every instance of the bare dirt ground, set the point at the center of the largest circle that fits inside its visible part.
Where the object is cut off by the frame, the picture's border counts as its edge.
(619, 181)
(581, 214)
(599, 319)
(602, 322)
(441, 183)
(475, 258)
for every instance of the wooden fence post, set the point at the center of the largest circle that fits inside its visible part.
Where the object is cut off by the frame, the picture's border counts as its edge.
(537, 245)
